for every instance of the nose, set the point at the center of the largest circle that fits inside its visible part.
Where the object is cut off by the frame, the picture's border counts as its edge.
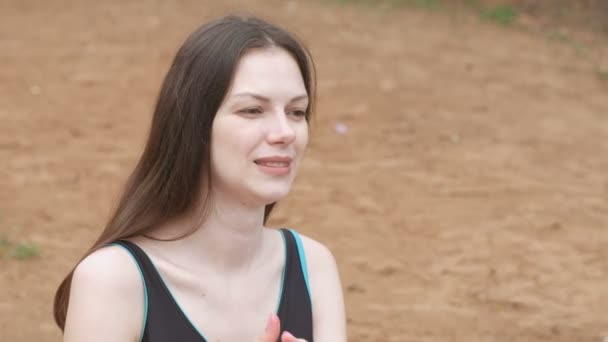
(281, 131)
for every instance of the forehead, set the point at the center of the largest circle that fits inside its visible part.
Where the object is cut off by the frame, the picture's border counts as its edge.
(270, 72)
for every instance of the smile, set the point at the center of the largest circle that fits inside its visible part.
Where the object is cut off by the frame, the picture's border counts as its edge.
(272, 164)
(275, 166)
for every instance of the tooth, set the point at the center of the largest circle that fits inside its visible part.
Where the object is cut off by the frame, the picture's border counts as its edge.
(274, 164)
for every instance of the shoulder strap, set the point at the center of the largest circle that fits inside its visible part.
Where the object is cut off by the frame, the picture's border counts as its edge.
(302, 258)
(295, 309)
(131, 249)
(164, 320)
(146, 267)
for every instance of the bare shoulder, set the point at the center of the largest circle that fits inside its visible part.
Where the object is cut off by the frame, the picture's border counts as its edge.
(318, 256)
(109, 267)
(327, 298)
(106, 298)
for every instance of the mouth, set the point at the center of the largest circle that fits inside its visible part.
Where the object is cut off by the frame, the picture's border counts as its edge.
(278, 162)
(272, 164)
(275, 166)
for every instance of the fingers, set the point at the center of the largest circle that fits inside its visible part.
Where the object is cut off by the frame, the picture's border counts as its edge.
(273, 329)
(287, 337)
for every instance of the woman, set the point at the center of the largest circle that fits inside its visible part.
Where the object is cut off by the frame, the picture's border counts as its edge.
(186, 255)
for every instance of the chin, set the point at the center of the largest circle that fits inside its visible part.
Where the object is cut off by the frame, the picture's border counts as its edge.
(271, 195)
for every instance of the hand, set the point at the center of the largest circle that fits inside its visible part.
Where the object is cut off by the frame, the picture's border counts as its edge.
(273, 329)
(287, 337)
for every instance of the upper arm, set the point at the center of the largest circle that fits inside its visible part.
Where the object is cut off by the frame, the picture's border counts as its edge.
(106, 298)
(327, 298)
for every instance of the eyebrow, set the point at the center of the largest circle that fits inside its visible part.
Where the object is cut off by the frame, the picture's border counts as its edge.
(265, 99)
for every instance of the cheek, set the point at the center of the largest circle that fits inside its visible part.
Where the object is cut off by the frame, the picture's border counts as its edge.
(222, 149)
(222, 133)
(231, 141)
(302, 137)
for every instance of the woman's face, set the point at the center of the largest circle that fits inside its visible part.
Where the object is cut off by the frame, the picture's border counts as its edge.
(259, 133)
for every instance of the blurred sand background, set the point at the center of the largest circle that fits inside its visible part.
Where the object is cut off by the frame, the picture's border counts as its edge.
(458, 167)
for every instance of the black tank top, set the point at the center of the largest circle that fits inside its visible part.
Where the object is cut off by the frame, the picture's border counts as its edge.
(165, 321)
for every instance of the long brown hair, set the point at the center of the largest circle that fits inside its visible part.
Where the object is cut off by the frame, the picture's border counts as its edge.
(174, 166)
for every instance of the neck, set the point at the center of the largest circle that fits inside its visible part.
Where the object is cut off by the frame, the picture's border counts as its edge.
(230, 239)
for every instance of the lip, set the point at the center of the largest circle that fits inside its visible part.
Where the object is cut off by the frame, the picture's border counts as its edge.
(274, 159)
(274, 170)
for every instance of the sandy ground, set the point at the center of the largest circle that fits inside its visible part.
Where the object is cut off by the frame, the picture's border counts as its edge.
(467, 200)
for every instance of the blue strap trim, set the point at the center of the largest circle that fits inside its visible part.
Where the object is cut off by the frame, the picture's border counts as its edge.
(303, 264)
(182, 310)
(143, 328)
(178, 305)
(283, 276)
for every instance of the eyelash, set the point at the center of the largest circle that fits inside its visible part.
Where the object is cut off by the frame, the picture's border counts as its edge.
(299, 113)
(256, 110)
(250, 111)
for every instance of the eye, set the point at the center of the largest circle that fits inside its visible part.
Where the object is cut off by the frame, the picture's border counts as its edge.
(298, 113)
(251, 111)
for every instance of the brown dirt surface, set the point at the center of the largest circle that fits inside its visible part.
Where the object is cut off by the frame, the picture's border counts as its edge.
(466, 201)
